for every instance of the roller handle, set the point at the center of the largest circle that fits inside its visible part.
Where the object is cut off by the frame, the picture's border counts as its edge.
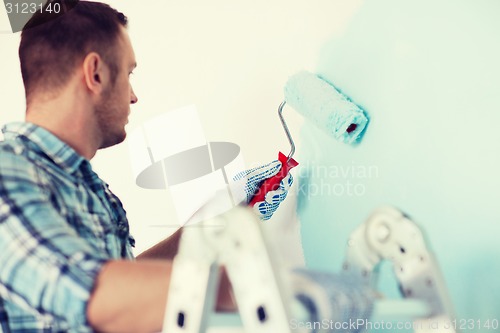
(273, 183)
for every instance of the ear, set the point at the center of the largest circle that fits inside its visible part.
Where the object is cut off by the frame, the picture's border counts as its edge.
(95, 72)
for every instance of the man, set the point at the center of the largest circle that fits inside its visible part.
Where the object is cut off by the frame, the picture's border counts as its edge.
(65, 250)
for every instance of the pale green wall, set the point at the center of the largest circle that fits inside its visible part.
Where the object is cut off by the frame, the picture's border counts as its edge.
(428, 73)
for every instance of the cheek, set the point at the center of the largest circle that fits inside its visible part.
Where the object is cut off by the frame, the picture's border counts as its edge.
(127, 89)
(120, 93)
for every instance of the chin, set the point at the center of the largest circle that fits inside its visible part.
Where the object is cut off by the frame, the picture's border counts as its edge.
(114, 139)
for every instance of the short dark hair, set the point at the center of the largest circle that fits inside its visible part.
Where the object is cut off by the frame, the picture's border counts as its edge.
(52, 44)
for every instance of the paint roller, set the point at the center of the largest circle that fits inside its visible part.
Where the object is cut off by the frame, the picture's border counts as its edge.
(326, 107)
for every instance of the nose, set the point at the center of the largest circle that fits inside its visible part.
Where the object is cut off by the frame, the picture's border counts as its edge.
(133, 97)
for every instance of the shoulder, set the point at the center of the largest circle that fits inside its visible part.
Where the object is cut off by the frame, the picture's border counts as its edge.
(14, 154)
(16, 164)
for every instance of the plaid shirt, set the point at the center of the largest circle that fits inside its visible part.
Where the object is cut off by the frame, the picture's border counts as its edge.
(59, 223)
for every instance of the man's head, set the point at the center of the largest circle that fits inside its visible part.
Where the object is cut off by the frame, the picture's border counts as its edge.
(88, 40)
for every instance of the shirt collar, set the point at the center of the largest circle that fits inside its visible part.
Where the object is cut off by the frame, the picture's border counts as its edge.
(44, 141)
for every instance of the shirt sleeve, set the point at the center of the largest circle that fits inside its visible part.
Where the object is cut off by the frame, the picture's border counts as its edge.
(45, 267)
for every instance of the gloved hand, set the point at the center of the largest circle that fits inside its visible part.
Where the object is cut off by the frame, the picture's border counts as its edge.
(254, 178)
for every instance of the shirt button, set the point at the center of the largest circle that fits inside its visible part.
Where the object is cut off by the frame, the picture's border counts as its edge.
(18, 150)
(123, 230)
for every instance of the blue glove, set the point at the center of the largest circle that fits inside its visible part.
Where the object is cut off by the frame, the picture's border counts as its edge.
(254, 178)
(265, 209)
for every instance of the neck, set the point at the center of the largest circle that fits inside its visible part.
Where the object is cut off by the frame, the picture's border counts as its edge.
(69, 117)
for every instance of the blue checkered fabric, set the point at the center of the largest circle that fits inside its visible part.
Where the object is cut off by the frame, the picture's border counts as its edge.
(59, 224)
